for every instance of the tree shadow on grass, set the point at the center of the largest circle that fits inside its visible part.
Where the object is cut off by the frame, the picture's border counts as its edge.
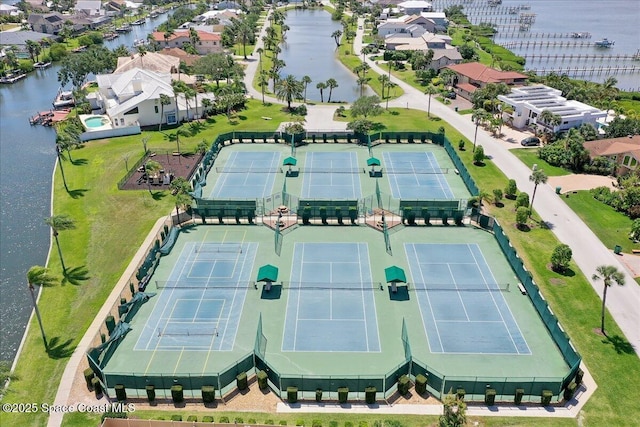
(620, 344)
(241, 117)
(76, 194)
(545, 225)
(60, 350)
(79, 162)
(158, 195)
(75, 276)
(378, 127)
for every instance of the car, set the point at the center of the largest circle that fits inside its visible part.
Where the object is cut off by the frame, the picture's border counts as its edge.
(530, 142)
(450, 95)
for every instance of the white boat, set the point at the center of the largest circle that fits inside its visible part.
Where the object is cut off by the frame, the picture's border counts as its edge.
(124, 28)
(582, 35)
(42, 65)
(12, 77)
(604, 43)
(64, 98)
(140, 42)
(140, 21)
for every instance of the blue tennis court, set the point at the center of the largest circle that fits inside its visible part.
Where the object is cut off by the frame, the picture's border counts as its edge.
(247, 175)
(320, 183)
(411, 176)
(463, 309)
(331, 306)
(200, 304)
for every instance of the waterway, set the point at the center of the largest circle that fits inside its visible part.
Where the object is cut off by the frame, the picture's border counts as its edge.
(27, 157)
(310, 50)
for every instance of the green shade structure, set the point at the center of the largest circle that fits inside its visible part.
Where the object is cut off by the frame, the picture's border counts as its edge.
(267, 273)
(290, 161)
(372, 161)
(395, 275)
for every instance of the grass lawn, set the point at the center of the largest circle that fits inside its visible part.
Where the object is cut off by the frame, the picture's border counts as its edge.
(529, 156)
(611, 226)
(104, 215)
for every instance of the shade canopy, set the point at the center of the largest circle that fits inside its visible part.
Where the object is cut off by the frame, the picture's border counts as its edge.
(372, 161)
(267, 273)
(290, 161)
(395, 274)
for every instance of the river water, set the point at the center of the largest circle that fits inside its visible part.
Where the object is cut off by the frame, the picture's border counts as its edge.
(310, 50)
(27, 157)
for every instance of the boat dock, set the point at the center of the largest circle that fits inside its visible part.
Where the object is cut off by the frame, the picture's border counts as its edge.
(12, 78)
(587, 71)
(49, 118)
(580, 57)
(518, 34)
(544, 44)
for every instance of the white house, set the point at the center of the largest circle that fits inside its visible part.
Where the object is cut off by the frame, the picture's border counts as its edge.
(439, 20)
(8, 10)
(91, 7)
(415, 7)
(406, 25)
(528, 102)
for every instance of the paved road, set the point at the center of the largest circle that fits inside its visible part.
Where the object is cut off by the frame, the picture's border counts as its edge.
(588, 252)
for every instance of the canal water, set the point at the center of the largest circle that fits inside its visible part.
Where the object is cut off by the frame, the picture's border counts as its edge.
(27, 157)
(310, 50)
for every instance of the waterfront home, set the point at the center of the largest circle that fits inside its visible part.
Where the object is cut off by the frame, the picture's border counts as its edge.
(151, 61)
(217, 17)
(412, 7)
(472, 76)
(92, 8)
(624, 151)
(443, 53)
(8, 10)
(19, 38)
(528, 102)
(133, 98)
(208, 43)
(182, 56)
(410, 25)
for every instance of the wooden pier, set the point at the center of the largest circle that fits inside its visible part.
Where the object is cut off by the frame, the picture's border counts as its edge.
(580, 57)
(546, 44)
(518, 34)
(49, 118)
(587, 71)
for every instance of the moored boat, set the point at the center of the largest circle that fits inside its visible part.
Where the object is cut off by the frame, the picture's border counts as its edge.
(42, 65)
(64, 98)
(125, 28)
(604, 43)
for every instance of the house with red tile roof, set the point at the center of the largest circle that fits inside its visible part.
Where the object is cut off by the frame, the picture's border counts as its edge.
(472, 76)
(624, 151)
(207, 43)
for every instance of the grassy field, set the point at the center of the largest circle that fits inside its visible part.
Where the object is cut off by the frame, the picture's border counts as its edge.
(611, 226)
(105, 216)
(529, 156)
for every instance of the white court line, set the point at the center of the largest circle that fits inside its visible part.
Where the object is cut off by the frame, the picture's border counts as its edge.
(446, 191)
(295, 330)
(433, 316)
(506, 303)
(464, 308)
(364, 308)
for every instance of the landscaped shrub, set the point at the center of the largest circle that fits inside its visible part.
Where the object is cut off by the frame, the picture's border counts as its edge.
(299, 422)
(176, 417)
(517, 399)
(241, 381)
(363, 424)
(370, 395)
(316, 423)
(579, 375)
(207, 419)
(511, 190)
(208, 394)
(177, 394)
(569, 391)
(343, 394)
(121, 393)
(319, 395)
(238, 420)
(292, 394)
(88, 376)
(403, 385)
(353, 215)
(489, 397)
(192, 418)
(268, 422)
(262, 380)
(151, 393)
(460, 393)
(283, 422)
(252, 421)
(421, 384)
(333, 424)
(97, 387)
(522, 200)
(546, 397)
(224, 419)
(348, 424)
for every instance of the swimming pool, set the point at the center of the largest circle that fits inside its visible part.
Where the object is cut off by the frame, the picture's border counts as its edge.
(96, 121)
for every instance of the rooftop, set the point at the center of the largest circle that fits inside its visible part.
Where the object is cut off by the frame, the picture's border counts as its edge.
(538, 98)
(482, 73)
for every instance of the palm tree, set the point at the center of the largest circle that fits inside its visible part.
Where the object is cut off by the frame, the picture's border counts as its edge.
(383, 79)
(38, 275)
(263, 82)
(34, 50)
(549, 119)
(305, 81)
(151, 168)
(167, 35)
(430, 90)
(194, 37)
(60, 158)
(164, 100)
(478, 116)
(60, 223)
(448, 75)
(289, 89)
(336, 37)
(321, 86)
(537, 177)
(260, 51)
(609, 275)
(244, 33)
(331, 84)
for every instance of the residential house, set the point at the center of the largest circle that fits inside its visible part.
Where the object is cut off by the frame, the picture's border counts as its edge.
(92, 8)
(8, 10)
(415, 7)
(208, 43)
(19, 38)
(182, 56)
(222, 17)
(438, 19)
(624, 151)
(443, 53)
(150, 61)
(528, 102)
(133, 98)
(49, 23)
(228, 5)
(471, 76)
(411, 25)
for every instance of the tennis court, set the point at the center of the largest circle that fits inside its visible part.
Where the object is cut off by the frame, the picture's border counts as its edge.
(247, 174)
(462, 307)
(320, 183)
(331, 305)
(416, 175)
(200, 304)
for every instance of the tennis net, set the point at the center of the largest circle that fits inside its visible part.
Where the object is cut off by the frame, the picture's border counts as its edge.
(341, 286)
(481, 287)
(221, 248)
(232, 169)
(202, 284)
(186, 332)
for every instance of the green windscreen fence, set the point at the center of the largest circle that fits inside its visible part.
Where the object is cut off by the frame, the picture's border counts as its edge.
(328, 208)
(210, 208)
(260, 347)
